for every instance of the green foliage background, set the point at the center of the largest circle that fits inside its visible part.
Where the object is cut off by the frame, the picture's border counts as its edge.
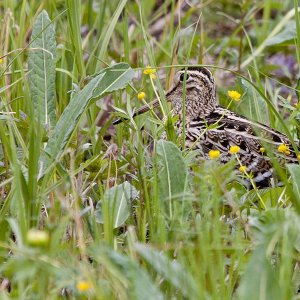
(118, 212)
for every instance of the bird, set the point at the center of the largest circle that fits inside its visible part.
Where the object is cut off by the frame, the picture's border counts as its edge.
(211, 127)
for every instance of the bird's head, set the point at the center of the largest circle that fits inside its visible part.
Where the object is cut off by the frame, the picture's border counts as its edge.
(198, 86)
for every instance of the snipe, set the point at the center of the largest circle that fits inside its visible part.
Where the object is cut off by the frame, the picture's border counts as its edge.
(230, 129)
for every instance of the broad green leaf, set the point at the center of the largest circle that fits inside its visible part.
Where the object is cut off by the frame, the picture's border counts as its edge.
(259, 280)
(41, 64)
(268, 274)
(78, 103)
(171, 271)
(118, 199)
(288, 34)
(138, 284)
(173, 173)
(67, 122)
(115, 78)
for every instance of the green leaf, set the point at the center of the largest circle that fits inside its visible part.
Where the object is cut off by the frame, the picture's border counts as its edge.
(78, 103)
(269, 272)
(259, 280)
(173, 173)
(172, 271)
(115, 78)
(118, 199)
(41, 64)
(67, 122)
(288, 34)
(136, 280)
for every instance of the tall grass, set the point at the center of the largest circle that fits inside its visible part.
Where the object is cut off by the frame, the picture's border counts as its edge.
(94, 211)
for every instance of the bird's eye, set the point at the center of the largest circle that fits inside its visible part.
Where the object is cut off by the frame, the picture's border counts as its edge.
(182, 77)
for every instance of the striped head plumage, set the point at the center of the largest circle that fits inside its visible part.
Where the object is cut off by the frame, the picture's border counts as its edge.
(200, 92)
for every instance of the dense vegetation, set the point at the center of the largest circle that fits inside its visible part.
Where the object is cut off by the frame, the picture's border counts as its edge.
(92, 210)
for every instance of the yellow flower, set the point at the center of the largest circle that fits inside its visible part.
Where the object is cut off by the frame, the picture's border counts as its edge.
(214, 154)
(298, 156)
(153, 76)
(149, 70)
(242, 169)
(234, 149)
(283, 148)
(1, 60)
(141, 95)
(83, 286)
(262, 150)
(234, 95)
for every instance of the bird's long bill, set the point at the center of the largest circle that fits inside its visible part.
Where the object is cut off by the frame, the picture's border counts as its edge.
(141, 110)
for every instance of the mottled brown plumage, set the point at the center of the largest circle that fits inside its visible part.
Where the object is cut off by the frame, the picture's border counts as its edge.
(229, 128)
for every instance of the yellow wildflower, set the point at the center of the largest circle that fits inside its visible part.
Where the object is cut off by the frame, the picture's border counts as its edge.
(214, 154)
(283, 148)
(153, 76)
(298, 156)
(234, 149)
(83, 285)
(1, 60)
(149, 70)
(242, 169)
(234, 95)
(141, 95)
(262, 150)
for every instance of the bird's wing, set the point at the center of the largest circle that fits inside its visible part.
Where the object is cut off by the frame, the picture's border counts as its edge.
(223, 128)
